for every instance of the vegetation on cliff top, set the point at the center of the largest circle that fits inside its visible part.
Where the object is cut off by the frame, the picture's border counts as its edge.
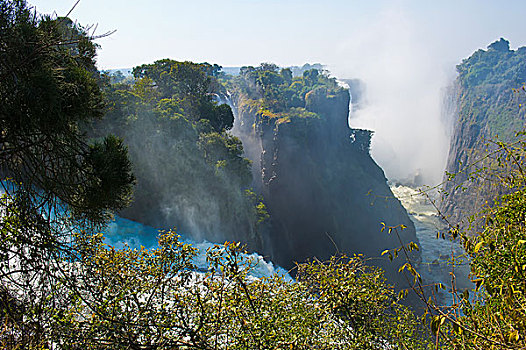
(487, 80)
(191, 172)
(489, 108)
(279, 95)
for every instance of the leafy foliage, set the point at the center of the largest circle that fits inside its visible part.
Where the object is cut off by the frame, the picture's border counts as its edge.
(62, 287)
(497, 312)
(116, 299)
(487, 80)
(493, 314)
(191, 172)
(52, 178)
(48, 89)
(280, 92)
(189, 85)
(489, 108)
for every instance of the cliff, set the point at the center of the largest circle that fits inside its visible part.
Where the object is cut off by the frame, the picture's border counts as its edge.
(488, 108)
(316, 190)
(191, 174)
(323, 191)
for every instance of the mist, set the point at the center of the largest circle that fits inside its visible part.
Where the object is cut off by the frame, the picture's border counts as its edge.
(405, 51)
(404, 92)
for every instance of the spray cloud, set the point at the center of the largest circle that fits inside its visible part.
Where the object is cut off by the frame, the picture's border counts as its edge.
(404, 83)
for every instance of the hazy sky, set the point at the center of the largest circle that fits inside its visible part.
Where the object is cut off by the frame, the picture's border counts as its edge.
(405, 51)
(240, 32)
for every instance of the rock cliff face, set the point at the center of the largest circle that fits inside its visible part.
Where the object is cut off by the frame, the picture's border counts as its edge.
(323, 191)
(487, 106)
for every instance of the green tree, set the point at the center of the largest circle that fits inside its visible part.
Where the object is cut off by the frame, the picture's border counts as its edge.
(286, 74)
(53, 179)
(493, 314)
(48, 90)
(154, 299)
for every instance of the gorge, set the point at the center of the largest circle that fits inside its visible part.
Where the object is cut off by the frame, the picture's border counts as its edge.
(316, 190)
(182, 205)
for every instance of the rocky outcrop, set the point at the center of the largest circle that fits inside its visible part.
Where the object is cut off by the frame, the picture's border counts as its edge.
(323, 191)
(488, 108)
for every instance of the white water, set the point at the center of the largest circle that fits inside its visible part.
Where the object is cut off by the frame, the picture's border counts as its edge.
(123, 232)
(436, 265)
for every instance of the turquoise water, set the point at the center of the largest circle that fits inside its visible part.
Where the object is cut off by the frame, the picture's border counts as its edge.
(123, 232)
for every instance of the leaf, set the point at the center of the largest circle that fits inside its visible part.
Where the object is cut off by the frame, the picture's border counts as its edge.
(403, 267)
(478, 246)
(514, 336)
(465, 294)
(435, 324)
(384, 252)
(457, 328)
(478, 282)
(403, 293)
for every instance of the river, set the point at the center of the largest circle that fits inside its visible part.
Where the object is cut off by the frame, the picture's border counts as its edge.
(437, 254)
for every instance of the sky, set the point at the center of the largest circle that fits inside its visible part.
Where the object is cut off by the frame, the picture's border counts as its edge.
(404, 50)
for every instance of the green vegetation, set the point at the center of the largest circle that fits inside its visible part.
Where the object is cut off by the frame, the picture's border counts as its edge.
(191, 173)
(489, 108)
(53, 179)
(154, 299)
(487, 80)
(278, 95)
(61, 287)
(493, 315)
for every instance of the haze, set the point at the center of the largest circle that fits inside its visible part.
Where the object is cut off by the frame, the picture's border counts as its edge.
(404, 51)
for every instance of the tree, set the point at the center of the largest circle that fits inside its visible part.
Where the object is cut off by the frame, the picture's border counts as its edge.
(189, 85)
(502, 45)
(493, 314)
(311, 76)
(53, 178)
(223, 119)
(48, 91)
(154, 299)
(286, 73)
(181, 79)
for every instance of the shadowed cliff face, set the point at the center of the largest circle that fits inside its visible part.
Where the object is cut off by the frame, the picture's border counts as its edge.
(488, 109)
(324, 192)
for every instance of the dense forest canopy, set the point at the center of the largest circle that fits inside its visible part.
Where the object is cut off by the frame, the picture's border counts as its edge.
(279, 91)
(191, 173)
(488, 78)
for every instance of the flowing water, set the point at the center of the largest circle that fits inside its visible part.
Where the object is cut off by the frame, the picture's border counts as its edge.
(436, 265)
(123, 232)
(436, 253)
